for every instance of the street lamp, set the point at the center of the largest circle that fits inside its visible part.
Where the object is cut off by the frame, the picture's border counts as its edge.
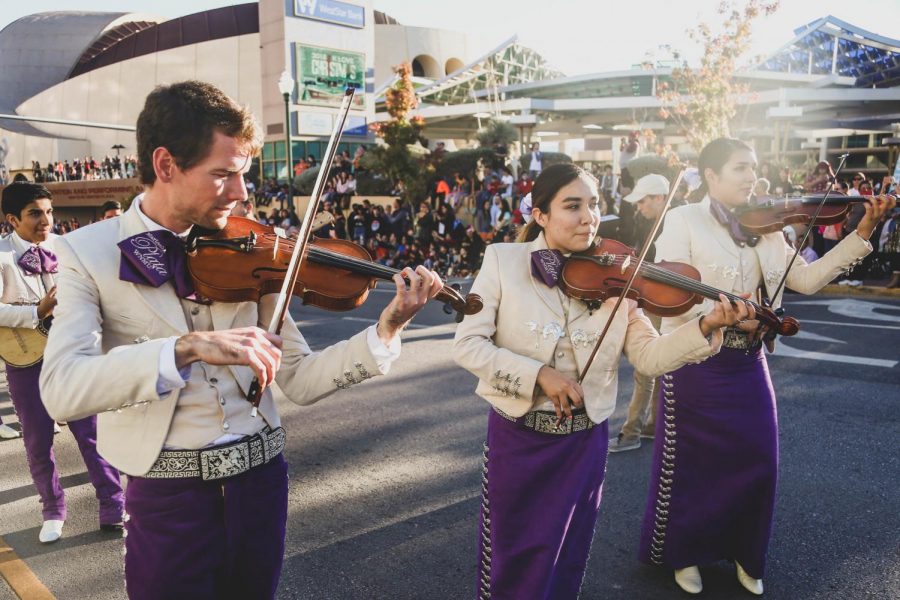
(286, 87)
(117, 147)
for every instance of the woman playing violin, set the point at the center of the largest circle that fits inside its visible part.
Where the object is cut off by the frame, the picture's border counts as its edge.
(715, 465)
(547, 436)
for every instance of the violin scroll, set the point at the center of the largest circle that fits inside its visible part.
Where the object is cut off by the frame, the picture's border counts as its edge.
(454, 301)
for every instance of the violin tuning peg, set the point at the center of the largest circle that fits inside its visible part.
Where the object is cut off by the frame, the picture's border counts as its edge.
(456, 286)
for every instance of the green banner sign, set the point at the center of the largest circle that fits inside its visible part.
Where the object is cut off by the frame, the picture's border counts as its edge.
(323, 75)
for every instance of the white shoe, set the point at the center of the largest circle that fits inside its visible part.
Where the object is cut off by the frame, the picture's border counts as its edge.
(754, 586)
(51, 531)
(689, 580)
(7, 432)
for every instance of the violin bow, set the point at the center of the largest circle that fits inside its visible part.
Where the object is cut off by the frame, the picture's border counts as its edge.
(651, 238)
(254, 394)
(812, 223)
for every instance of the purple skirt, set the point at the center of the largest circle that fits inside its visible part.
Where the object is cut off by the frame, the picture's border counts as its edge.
(715, 465)
(540, 501)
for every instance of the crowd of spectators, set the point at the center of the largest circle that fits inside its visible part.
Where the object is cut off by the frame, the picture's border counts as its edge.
(89, 168)
(448, 230)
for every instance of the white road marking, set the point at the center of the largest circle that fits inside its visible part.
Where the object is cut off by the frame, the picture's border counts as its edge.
(857, 309)
(845, 324)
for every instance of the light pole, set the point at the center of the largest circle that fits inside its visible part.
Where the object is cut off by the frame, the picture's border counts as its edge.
(286, 87)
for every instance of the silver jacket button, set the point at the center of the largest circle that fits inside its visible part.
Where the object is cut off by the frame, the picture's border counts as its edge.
(226, 426)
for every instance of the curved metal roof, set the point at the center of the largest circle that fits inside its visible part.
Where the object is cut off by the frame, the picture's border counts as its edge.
(38, 51)
(830, 45)
(199, 27)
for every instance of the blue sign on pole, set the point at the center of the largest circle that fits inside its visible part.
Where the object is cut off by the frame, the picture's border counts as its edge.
(331, 11)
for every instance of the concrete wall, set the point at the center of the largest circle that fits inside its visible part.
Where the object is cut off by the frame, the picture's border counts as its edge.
(395, 44)
(115, 95)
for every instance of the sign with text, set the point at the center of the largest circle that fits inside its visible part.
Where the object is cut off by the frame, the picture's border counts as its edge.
(331, 11)
(323, 74)
(93, 193)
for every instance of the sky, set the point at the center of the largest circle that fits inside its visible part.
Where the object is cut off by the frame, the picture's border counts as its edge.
(575, 36)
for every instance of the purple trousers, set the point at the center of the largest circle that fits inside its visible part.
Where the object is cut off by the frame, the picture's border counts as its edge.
(540, 501)
(715, 465)
(198, 540)
(37, 433)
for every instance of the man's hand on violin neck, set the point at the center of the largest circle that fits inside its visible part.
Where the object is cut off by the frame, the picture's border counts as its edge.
(410, 299)
(876, 207)
(249, 346)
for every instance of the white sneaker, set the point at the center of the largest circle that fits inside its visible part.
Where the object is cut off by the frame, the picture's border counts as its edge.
(51, 531)
(854, 283)
(844, 282)
(689, 580)
(754, 586)
(7, 432)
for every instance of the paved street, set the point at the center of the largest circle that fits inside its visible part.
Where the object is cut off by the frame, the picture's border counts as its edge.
(385, 478)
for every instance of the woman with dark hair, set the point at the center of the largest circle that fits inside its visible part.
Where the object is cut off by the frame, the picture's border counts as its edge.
(715, 466)
(547, 435)
(483, 218)
(820, 179)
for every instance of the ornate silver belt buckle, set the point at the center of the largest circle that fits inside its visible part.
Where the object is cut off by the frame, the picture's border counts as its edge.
(218, 463)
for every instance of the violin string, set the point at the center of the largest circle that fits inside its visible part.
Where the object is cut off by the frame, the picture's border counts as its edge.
(681, 281)
(339, 260)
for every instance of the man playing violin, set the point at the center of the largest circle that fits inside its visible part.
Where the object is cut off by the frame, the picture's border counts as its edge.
(168, 373)
(712, 489)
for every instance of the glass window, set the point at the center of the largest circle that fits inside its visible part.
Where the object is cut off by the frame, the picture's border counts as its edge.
(279, 150)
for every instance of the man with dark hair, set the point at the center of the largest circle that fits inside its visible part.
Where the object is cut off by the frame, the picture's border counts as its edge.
(110, 209)
(169, 372)
(28, 271)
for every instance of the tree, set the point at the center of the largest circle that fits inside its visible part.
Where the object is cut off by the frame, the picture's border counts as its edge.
(703, 101)
(397, 158)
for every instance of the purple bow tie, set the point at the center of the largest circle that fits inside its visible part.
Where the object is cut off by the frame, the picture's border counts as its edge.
(546, 266)
(727, 219)
(37, 260)
(155, 257)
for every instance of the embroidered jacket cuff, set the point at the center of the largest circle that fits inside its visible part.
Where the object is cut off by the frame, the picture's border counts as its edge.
(383, 355)
(866, 243)
(170, 378)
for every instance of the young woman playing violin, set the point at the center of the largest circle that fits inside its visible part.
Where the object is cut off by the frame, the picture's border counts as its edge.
(547, 438)
(715, 465)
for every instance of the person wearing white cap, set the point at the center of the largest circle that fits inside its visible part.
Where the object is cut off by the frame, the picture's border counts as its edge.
(649, 198)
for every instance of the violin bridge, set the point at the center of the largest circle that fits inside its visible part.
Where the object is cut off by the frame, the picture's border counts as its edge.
(279, 234)
(626, 263)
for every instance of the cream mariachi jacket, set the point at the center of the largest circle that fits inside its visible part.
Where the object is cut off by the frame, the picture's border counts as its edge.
(692, 235)
(20, 293)
(516, 333)
(103, 351)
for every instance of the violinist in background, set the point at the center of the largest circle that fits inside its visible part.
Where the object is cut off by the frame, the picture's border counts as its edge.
(547, 435)
(168, 374)
(715, 466)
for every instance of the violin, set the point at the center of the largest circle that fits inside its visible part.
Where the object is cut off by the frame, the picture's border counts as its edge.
(247, 260)
(664, 288)
(775, 214)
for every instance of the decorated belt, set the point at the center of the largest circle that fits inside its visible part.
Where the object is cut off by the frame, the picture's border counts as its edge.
(220, 461)
(737, 339)
(544, 421)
